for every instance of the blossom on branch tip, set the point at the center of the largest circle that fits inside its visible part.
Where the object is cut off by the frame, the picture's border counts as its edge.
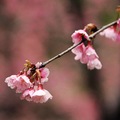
(112, 32)
(29, 82)
(85, 52)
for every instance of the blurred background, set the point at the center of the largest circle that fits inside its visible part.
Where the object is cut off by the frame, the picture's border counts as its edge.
(38, 30)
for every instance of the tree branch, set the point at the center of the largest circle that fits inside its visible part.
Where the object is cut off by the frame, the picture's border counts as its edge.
(75, 45)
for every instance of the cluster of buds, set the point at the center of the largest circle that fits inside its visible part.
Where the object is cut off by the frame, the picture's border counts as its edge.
(29, 82)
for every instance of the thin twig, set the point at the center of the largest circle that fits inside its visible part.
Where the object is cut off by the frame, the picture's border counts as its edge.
(75, 45)
(59, 55)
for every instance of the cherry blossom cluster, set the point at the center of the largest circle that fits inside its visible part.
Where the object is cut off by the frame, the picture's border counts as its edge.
(29, 82)
(85, 51)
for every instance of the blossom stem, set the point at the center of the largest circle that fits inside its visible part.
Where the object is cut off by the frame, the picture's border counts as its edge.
(75, 45)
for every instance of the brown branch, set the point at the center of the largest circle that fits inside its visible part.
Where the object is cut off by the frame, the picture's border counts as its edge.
(73, 46)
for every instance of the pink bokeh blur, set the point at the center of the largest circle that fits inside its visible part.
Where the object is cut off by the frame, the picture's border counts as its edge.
(38, 30)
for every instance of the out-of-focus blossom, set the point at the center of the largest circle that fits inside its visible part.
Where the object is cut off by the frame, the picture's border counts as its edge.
(30, 81)
(85, 52)
(112, 32)
(36, 94)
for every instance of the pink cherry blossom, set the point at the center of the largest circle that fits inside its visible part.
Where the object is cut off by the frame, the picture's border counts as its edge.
(94, 64)
(112, 32)
(88, 54)
(30, 82)
(11, 81)
(85, 52)
(44, 73)
(20, 82)
(78, 51)
(77, 36)
(90, 58)
(36, 94)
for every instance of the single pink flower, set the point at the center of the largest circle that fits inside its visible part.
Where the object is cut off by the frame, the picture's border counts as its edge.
(88, 54)
(20, 82)
(36, 94)
(78, 51)
(94, 64)
(85, 52)
(41, 96)
(91, 58)
(11, 81)
(112, 32)
(78, 35)
(44, 73)
(27, 94)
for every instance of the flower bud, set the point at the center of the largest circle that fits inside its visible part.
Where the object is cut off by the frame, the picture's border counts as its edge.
(118, 9)
(90, 28)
